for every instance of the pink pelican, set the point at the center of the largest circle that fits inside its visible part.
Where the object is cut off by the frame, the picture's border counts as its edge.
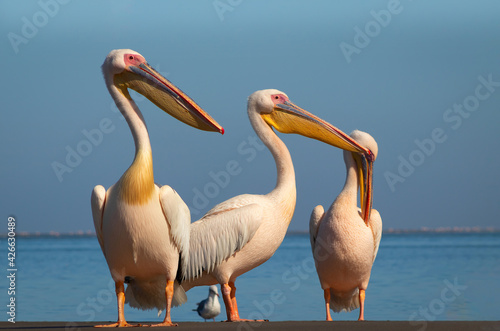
(345, 239)
(143, 228)
(245, 231)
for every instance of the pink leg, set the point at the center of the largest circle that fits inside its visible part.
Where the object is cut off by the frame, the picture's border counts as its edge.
(232, 313)
(361, 305)
(229, 296)
(120, 298)
(327, 304)
(169, 293)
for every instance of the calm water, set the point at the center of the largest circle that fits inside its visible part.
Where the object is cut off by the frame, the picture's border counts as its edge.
(417, 277)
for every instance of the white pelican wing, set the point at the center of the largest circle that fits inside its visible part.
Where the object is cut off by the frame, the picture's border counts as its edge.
(376, 226)
(97, 201)
(220, 234)
(179, 218)
(314, 221)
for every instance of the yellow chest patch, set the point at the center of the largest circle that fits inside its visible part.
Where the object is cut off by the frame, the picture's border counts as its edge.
(137, 183)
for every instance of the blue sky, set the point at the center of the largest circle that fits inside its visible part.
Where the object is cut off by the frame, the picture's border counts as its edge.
(422, 77)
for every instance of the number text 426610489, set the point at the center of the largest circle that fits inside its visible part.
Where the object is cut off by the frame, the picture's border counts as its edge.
(11, 268)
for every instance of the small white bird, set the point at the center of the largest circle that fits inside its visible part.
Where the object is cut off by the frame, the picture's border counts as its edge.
(210, 307)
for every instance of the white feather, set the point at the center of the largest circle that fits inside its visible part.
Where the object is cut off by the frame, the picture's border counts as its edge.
(376, 226)
(223, 231)
(314, 221)
(97, 201)
(179, 219)
(150, 294)
(345, 302)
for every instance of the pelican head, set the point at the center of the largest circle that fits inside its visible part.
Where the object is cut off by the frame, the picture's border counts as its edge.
(279, 112)
(125, 68)
(364, 165)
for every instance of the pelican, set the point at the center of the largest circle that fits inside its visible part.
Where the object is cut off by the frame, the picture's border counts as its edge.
(210, 307)
(245, 231)
(345, 239)
(141, 227)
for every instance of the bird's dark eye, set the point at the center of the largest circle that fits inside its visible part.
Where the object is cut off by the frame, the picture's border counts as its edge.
(130, 57)
(276, 97)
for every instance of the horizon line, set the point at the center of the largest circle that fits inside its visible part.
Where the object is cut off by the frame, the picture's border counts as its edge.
(455, 229)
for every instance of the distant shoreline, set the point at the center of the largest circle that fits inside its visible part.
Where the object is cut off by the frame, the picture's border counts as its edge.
(423, 230)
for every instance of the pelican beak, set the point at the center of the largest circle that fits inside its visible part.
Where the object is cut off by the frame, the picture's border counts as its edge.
(289, 118)
(144, 79)
(364, 166)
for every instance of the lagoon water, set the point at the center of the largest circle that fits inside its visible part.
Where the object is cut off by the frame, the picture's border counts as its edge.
(415, 277)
